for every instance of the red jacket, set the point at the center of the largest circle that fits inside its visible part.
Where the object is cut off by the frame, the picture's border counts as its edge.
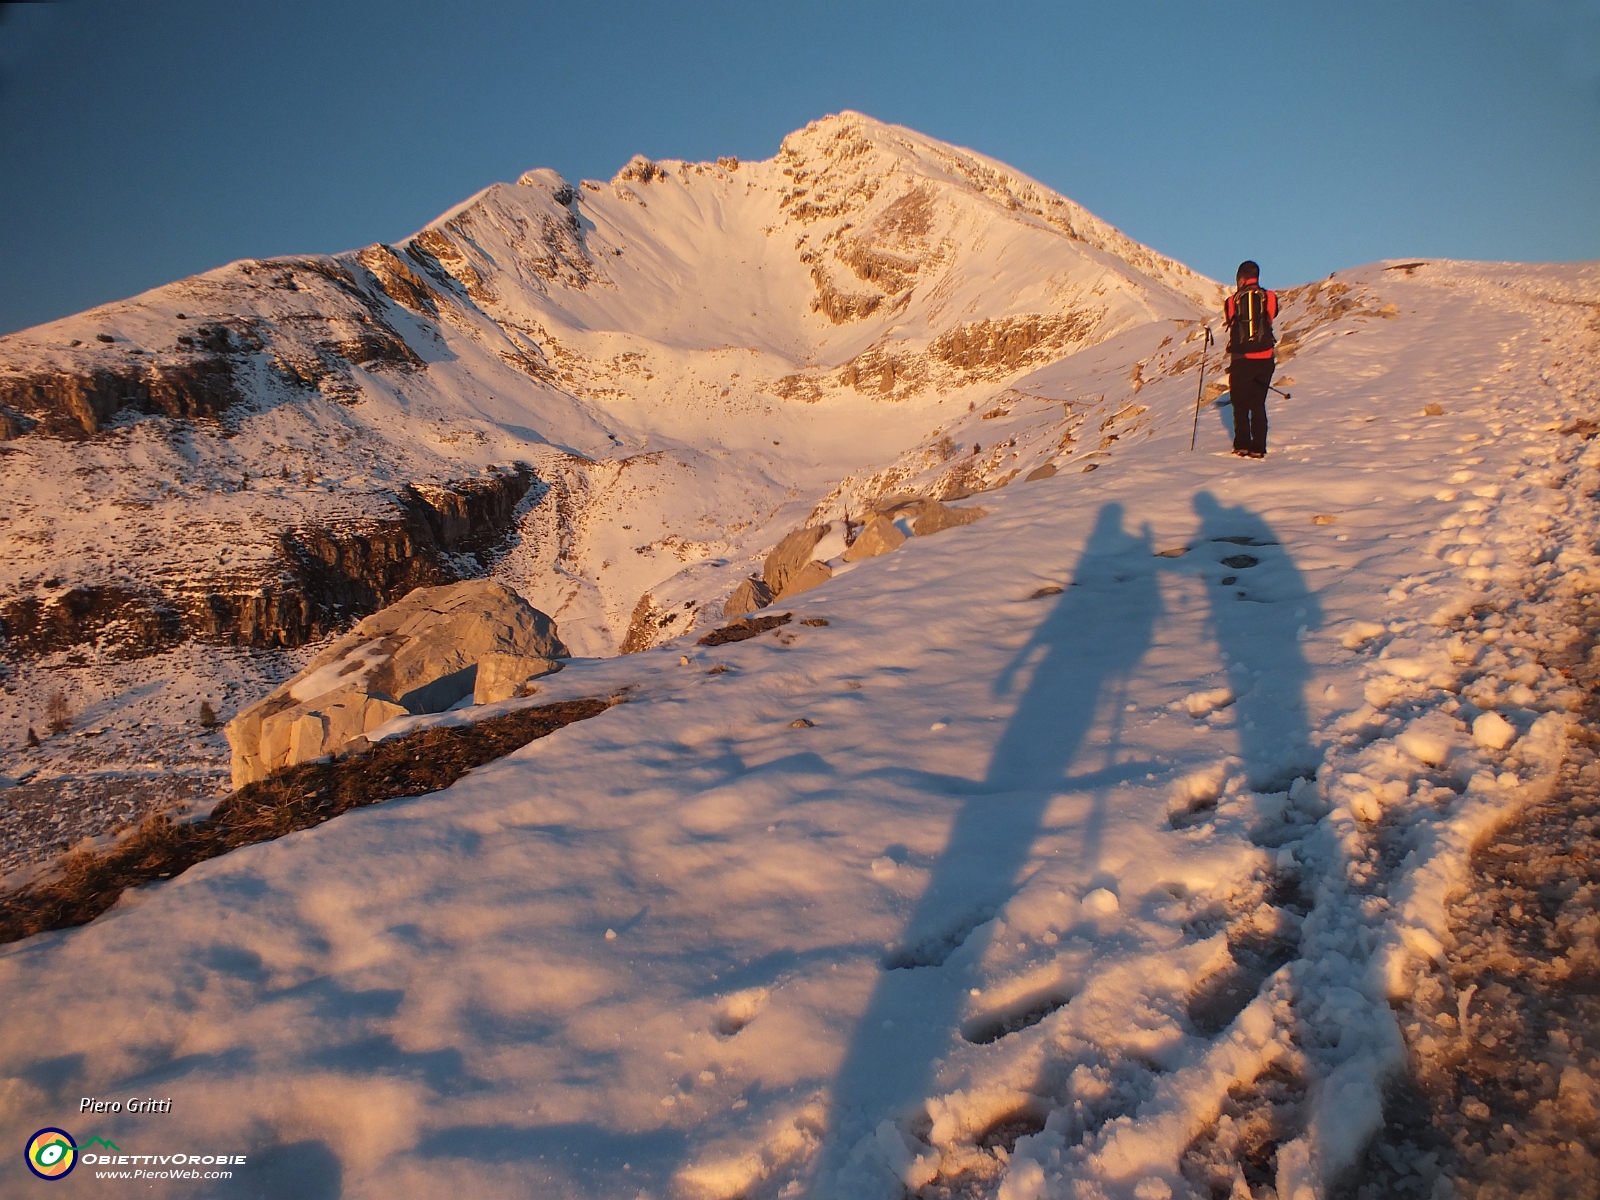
(1228, 308)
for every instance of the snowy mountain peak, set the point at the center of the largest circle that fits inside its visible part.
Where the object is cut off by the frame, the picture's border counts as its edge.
(690, 358)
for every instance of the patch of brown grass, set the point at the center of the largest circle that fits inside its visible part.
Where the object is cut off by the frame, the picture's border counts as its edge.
(430, 760)
(744, 628)
(58, 713)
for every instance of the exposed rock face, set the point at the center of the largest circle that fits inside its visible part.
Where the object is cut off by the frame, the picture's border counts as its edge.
(13, 424)
(507, 676)
(398, 281)
(641, 170)
(789, 556)
(998, 347)
(471, 515)
(642, 626)
(796, 564)
(750, 595)
(652, 622)
(326, 576)
(933, 516)
(937, 517)
(109, 613)
(878, 536)
(77, 405)
(418, 656)
(812, 574)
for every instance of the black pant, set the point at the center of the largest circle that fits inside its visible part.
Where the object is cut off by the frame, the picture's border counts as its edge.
(1248, 380)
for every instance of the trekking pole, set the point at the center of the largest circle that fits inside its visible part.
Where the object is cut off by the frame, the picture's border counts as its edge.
(1200, 391)
(1280, 392)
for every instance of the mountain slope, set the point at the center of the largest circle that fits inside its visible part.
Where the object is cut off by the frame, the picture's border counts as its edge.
(1080, 853)
(780, 323)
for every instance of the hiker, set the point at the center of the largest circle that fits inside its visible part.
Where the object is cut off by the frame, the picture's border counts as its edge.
(1248, 314)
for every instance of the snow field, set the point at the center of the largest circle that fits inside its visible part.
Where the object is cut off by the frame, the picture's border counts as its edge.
(963, 929)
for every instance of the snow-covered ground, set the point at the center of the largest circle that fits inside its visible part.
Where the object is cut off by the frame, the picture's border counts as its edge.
(1069, 827)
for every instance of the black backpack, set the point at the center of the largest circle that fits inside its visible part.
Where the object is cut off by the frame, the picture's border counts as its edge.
(1251, 331)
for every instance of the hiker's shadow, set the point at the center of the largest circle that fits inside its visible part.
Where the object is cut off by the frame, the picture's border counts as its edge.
(1259, 617)
(1076, 665)
(1224, 406)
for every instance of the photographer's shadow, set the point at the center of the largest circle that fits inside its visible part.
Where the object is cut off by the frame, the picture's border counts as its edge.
(1077, 664)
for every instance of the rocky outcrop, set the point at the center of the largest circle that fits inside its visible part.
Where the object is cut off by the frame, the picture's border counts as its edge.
(332, 575)
(652, 623)
(109, 615)
(471, 515)
(509, 676)
(1007, 344)
(420, 655)
(790, 556)
(750, 595)
(640, 170)
(326, 577)
(810, 575)
(13, 424)
(878, 536)
(930, 516)
(398, 281)
(75, 405)
(936, 518)
(800, 561)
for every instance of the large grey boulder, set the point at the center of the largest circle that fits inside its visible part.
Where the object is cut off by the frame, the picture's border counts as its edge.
(419, 655)
(508, 676)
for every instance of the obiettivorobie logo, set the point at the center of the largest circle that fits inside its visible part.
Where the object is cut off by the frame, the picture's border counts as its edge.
(52, 1154)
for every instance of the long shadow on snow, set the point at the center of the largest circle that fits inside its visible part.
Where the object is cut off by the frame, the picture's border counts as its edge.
(1081, 657)
(1256, 620)
(1086, 648)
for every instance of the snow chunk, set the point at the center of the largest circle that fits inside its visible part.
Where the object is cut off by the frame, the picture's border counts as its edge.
(1198, 790)
(1101, 902)
(1493, 731)
(1359, 633)
(1203, 704)
(1025, 1181)
(1408, 668)
(1429, 739)
(739, 1009)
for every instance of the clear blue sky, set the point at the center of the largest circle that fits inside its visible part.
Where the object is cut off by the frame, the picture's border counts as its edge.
(143, 142)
